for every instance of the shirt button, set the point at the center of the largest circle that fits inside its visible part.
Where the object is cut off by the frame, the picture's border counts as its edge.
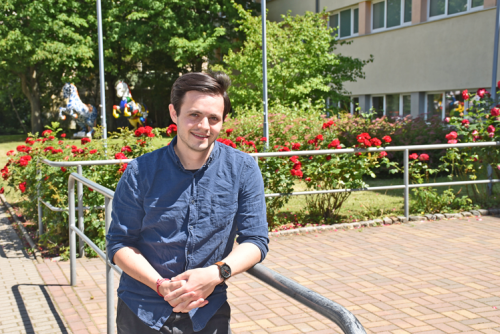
(190, 227)
(192, 201)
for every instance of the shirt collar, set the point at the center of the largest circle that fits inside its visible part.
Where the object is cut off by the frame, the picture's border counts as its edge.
(171, 152)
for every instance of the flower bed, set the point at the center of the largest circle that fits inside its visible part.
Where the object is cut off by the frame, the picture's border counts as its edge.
(290, 130)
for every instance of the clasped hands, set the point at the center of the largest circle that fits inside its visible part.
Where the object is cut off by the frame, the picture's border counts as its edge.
(190, 289)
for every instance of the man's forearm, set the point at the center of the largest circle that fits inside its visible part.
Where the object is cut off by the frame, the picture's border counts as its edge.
(242, 258)
(134, 264)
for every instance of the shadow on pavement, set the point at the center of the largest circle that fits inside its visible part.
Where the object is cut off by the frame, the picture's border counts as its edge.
(28, 326)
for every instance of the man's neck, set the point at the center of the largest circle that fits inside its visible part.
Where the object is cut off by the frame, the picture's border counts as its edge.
(189, 158)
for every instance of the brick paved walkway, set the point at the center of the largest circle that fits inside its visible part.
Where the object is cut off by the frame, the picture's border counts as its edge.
(24, 298)
(424, 277)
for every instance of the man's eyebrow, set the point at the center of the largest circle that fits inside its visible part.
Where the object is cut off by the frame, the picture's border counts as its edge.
(196, 111)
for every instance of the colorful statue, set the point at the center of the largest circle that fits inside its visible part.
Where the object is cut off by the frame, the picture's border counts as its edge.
(136, 113)
(85, 114)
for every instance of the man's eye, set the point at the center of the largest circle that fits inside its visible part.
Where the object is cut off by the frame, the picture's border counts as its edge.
(215, 119)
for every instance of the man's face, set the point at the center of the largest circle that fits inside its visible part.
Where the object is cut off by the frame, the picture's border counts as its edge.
(199, 121)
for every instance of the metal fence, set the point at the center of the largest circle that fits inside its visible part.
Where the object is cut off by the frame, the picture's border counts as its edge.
(331, 310)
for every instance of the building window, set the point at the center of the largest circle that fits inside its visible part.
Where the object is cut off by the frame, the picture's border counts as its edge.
(378, 105)
(406, 105)
(346, 22)
(439, 8)
(390, 14)
(355, 106)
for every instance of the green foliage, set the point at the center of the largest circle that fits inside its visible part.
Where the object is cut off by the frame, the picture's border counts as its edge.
(302, 64)
(428, 200)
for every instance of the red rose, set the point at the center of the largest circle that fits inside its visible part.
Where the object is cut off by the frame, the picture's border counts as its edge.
(328, 157)
(29, 139)
(148, 129)
(452, 141)
(451, 135)
(318, 138)
(94, 151)
(362, 137)
(490, 129)
(481, 92)
(46, 132)
(2, 191)
(465, 122)
(383, 154)
(172, 129)
(63, 169)
(140, 131)
(120, 155)
(21, 148)
(122, 168)
(150, 135)
(263, 139)
(46, 178)
(310, 141)
(375, 142)
(90, 189)
(85, 140)
(284, 149)
(335, 143)
(308, 179)
(423, 157)
(413, 156)
(60, 142)
(63, 135)
(297, 165)
(495, 112)
(387, 139)
(296, 146)
(294, 158)
(22, 187)
(126, 149)
(465, 94)
(239, 139)
(24, 160)
(51, 137)
(11, 152)
(228, 131)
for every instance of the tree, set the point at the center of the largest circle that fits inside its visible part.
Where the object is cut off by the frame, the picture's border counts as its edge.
(44, 43)
(302, 64)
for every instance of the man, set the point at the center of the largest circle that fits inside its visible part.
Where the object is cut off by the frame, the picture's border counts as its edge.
(176, 213)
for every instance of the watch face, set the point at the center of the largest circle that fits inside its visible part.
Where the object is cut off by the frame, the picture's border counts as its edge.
(225, 271)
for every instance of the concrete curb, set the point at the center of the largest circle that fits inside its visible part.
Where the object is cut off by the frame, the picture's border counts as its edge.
(36, 252)
(386, 221)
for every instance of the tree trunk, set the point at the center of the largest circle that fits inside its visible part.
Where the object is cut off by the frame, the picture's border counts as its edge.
(29, 85)
(17, 114)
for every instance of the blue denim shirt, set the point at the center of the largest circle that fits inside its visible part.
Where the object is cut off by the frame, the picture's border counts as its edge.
(180, 220)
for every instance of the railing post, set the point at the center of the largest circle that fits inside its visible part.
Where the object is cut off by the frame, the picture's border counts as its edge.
(40, 223)
(72, 234)
(110, 290)
(407, 184)
(81, 244)
(490, 176)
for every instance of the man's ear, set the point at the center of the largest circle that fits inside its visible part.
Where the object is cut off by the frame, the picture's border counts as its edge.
(173, 113)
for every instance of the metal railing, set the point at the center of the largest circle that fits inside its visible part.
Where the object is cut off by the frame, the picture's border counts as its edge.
(406, 152)
(331, 310)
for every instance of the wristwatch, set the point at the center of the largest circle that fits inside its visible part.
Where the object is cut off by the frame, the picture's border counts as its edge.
(224, 269)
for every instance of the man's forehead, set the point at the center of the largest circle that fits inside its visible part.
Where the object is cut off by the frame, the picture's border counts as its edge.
(203, 102)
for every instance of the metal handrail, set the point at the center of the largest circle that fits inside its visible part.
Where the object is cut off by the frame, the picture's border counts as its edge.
(331, 310)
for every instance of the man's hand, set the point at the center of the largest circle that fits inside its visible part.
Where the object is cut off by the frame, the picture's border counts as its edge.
(168, 286)
(200, 284)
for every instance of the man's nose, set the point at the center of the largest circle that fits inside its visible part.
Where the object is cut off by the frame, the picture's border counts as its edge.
(204, 124)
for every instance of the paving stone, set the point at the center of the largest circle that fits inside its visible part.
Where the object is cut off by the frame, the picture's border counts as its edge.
(439, 216)
(30, 307)
(417, 218)
(430, 217)
(466, 214)
(378, 221)
(483, 212)
(387, 221)
(475, 213)
(402, 219)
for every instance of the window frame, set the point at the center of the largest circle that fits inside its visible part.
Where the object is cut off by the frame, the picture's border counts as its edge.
(443, 103)
(337, 12)
(384, 102)
(402, 17)
(445, 15)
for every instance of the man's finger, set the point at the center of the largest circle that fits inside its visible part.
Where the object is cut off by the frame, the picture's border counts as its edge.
(183, 276)
(186, 307)
(175, 293)
(187, 297)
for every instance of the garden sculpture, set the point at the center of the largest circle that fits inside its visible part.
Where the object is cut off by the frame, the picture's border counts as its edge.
(85, 114)
(135, 112)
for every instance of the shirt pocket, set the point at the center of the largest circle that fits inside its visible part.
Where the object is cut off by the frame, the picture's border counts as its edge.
(224, 207)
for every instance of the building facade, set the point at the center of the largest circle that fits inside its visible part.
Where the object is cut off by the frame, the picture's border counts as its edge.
(425, 51)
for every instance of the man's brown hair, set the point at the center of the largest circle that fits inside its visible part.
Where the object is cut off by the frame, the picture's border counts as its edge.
(215, 83)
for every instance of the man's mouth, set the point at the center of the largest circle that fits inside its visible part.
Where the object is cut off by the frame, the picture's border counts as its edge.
(200, 136)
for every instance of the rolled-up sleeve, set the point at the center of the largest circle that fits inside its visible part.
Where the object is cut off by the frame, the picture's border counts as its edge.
(128, 212)
(251, 216)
